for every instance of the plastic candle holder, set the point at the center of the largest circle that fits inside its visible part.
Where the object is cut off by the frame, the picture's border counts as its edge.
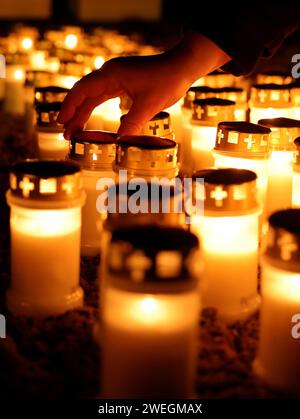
(45, 198)
(146, 157)
(95, 151)
(51, 141)
(277, 361)
(229, 233)
(242, 145)
(270, 101)
(14, 99)
(150, 313)
(283, 133)
(295, 94)
(205, 117)
(274, 77)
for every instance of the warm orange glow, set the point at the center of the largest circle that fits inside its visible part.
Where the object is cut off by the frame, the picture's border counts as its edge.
(71, 41)
(26, 43)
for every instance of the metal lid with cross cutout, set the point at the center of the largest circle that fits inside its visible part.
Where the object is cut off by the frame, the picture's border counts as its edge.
(93, 150)
(271, 96)
(47, 114)
(156, 258)
(242, 139)
(283, 240)
(235, 94)
(212, 110)
(49, 94)
(274, 77)
(46, 180)
(143, 155)
(159, 126)
(228, 191)
(283, 132)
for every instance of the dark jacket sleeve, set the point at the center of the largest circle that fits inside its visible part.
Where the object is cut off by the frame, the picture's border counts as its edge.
(245, 30)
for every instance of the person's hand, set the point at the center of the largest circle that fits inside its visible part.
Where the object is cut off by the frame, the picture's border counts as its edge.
(153, 83)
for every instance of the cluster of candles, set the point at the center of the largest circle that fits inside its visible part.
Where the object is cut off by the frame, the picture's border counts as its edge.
(159, 268)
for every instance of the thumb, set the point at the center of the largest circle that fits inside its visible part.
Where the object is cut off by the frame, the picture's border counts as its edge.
(140, 113)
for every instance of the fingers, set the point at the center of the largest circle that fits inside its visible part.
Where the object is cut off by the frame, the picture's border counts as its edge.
(141, 111)
(81, 115)
(88, 87)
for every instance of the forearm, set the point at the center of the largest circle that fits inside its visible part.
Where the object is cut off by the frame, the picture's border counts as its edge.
(246, 33)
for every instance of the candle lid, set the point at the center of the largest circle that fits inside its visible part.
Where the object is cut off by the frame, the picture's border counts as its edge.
(229, 191)
(283, 132)
(271, 95)
(295, 94)
(146, 155)
(218, 78)
(242, 139)
(273, 77)
(158, 126)
(93, 150)
(38, 77)
(49, 94)
(157, 204)
(47, 114)
(212, 110)
(46, 180)
(197, 92)
(283, 240)
(153, 258)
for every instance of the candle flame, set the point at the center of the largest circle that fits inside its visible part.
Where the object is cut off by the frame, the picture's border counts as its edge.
(26, 43)
(71, 41)
(99, 61)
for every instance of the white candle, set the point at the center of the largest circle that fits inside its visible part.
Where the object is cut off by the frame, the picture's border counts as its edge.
(149, 348)
(277, 361)
(229, 236)
(95, 152)
(14, 101)
(270, 101)
(283, 133)
(206, 114)
(51, 141)
(45, 200)
(242, 145)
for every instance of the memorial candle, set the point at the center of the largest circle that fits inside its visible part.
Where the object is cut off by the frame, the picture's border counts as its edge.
(270, 101)
(296, 174)
(51, 141)
(14, 99)
(229, 232)
(95, 152)
(278, 362)
(150, 314)
(280, 171)
(45, 198)
(205, 117)
(242, 145)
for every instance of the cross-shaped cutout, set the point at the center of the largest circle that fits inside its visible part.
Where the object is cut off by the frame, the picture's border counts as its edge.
(287, 247)
(138, 263)
(262, 95)
(220, 136)
(249, 141)
(218, 194)
(67, 187)
(199, 112)
(154, 128)
(27, 186)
